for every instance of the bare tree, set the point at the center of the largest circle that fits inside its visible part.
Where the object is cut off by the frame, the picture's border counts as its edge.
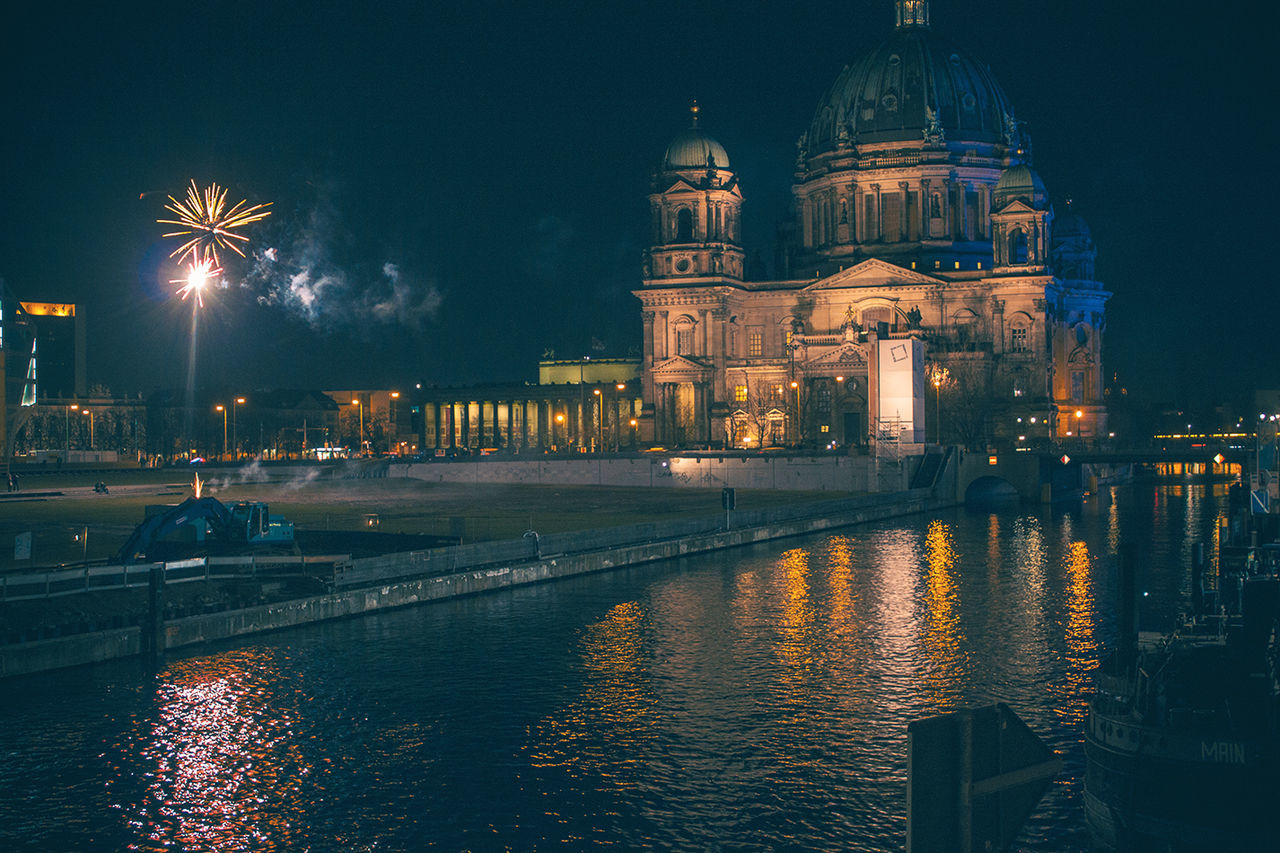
(968, 402)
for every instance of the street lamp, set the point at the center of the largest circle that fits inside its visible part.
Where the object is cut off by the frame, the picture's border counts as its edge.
(393, 415)
(90, 414)
(67, 418)
(795, 386)
(234, 443)
(599, 417)
(559, 420)
(223, 409)
(360, 408)
(617, 416)
(938, 375)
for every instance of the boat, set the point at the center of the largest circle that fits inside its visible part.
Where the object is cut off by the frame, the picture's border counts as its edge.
(1181, 744)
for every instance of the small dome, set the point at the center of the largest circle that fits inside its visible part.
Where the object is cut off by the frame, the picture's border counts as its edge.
(1022, 183)
(691, 150)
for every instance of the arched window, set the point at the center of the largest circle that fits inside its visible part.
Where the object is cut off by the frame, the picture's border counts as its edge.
(684, 225)
(1017, 246)
(684, 335)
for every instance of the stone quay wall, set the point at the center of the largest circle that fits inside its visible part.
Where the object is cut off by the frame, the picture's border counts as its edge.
(43, 655)
(833, 472)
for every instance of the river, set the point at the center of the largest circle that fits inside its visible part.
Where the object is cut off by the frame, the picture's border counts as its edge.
(753, 699)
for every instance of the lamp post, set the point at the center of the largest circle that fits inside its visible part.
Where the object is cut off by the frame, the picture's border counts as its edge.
(393, 415)
(559, 420)
(90, 414)
(234, 442)
(795, 386)
(223, 409)
(67, 418)
(617, 416)
(938, 376)
(360, 408)
(599, 418)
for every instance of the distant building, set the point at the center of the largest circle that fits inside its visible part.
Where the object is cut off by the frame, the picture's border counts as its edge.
(917, 215)
(578, 405)
(18, 370)
(60, 330)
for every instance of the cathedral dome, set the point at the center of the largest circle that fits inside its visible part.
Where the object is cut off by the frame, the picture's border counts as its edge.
(912, 86)
(1021, 182)
(691, 150)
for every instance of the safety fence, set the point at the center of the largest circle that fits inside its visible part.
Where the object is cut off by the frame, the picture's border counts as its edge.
(74, 580)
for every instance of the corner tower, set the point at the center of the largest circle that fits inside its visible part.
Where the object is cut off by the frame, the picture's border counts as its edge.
(696, 208)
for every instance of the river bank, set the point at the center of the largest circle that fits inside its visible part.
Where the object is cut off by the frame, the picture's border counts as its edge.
(126, 640)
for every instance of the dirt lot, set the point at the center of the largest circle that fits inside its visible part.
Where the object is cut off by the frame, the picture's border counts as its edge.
(71, 522)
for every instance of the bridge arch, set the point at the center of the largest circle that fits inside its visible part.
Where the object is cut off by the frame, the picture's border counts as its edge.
(990, 489)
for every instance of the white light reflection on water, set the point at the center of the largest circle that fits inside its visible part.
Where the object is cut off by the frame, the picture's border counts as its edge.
(222, 768)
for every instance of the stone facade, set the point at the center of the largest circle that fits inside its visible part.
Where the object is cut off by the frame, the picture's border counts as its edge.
(916, 214)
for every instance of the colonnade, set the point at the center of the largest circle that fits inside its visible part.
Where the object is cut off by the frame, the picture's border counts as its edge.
(572, 418)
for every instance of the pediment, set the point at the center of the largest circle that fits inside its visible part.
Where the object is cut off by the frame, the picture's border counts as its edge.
(680, 185)
(845, 356)
(872, 272)
(683, 186)
(1017, 206)
(679, 366)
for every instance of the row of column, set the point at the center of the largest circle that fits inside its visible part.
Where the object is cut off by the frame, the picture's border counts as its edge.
(832, 216)
(554, 422)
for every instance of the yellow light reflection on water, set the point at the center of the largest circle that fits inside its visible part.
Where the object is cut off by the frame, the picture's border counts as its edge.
(942, 636)
(796, 648)
(617, 699)
(1082, 646)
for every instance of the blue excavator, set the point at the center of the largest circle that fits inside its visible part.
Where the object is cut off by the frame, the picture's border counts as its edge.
(203, 526)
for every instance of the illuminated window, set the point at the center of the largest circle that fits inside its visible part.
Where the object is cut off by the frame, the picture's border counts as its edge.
(755, 342)
(740, 393)
(1018, 339)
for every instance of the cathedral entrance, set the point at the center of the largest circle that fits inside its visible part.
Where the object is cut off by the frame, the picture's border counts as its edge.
(686, 430)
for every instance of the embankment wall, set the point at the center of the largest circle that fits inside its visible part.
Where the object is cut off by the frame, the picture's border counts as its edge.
(43, 655)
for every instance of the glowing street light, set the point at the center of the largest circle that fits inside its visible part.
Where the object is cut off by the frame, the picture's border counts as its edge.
(393, 415)
(938, 376)
(617, 416)
(599, 417)
(89, 412)
(360, 408)
(223, 409)
(67, 417)
(239, 401)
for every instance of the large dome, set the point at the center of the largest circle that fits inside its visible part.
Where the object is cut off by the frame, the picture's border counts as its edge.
(691, 150)
(908, 88)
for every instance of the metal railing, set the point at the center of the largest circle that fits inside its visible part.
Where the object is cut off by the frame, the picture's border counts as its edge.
(31, 584)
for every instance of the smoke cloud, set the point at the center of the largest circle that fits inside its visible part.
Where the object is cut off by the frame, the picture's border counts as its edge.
(303, 275)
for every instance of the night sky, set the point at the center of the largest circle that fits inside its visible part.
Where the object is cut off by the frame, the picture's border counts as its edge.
(462, 187)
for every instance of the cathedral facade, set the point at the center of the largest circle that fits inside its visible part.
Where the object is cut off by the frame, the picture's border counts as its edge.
(916, 216)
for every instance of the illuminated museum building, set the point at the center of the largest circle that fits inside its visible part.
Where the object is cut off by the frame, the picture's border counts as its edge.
(916, 215)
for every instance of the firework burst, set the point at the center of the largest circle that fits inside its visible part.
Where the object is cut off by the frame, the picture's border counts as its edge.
(199, 275)
(208, 225)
